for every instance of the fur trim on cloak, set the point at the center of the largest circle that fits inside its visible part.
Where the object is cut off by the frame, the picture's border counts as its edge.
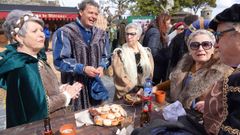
(129, 62)
(201, 82)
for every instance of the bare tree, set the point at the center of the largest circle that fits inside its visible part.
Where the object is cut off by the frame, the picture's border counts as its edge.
(119, 6)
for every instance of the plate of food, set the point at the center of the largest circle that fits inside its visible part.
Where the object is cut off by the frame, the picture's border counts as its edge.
(108, 115)
(132, 99)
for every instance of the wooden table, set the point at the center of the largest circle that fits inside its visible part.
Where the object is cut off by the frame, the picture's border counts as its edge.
(37, 128)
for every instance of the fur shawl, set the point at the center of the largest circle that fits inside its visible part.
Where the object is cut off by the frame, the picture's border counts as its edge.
(201, 82)
(129, 63)
(124, 66)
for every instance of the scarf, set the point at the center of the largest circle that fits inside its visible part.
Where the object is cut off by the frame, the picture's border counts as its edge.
(130, 63)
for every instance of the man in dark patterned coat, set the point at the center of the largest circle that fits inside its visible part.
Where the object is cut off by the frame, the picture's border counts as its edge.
(222, 107)
(78, 48)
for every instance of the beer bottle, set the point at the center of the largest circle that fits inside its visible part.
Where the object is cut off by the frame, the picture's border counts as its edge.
(47, 127)
(144, 117)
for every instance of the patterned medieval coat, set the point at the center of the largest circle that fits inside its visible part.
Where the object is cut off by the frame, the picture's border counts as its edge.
(71, 54)
(222, 111)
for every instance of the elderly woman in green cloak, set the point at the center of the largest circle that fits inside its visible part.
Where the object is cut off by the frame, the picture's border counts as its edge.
(33, 92)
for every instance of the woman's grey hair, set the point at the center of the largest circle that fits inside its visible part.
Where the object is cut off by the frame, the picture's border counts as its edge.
(84, 3)
(11, 23)
(135, 26)
(201, 32)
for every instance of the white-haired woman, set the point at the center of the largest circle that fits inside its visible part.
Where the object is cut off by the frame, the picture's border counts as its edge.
(33, 92)
(132, 63)
(196, 73)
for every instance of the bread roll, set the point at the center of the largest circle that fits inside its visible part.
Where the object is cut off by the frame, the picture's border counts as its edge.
(115, 122)
(107, 122)
(98, 120)
(111, 116)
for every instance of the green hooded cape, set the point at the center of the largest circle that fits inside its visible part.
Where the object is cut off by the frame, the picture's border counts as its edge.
(26, 97)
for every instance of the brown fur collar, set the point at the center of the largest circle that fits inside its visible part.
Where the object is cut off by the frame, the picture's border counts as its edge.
(201, 81)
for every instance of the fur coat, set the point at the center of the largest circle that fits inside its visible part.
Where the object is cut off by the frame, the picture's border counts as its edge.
(201, 82)
(124, 65)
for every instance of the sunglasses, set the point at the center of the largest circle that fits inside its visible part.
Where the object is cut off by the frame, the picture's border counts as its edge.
(206, 45)
(131, 33)
(219, 34)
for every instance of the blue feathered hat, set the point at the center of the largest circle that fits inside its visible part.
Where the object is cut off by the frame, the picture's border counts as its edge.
(199, 24)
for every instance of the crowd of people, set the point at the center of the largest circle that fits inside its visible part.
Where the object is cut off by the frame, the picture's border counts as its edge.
(195, 61)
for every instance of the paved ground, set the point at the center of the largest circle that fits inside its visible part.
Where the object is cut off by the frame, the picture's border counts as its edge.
(2, 109)
(108, 82)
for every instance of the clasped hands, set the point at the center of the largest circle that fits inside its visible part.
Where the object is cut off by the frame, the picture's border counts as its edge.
(72, 90)
(93, 72)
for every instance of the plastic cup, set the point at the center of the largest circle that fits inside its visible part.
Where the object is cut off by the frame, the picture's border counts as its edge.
(160, 96)
(67, 129)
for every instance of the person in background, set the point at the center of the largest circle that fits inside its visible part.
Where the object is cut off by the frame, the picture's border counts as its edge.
(177, 29)
(78, 50)
(221, 110)
(132, 63)
(47, 33)
(114, 36)
(33, 91)
(156, 39)
(178, 47)
(121, 33)
(102, 24)
(196, 73)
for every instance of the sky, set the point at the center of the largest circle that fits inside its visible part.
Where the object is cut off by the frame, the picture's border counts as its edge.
(221, 4)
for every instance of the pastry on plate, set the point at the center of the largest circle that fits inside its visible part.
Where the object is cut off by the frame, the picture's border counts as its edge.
(115, 122)
(107, 122)
(111, 116)
(98, 120)
(132, 97)
(108, 115)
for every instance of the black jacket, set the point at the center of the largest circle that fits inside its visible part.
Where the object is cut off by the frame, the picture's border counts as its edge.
(160, 55)
(177, 49)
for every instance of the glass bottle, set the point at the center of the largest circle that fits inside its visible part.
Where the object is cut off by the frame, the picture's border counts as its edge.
(47, 127)
(144, 117)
